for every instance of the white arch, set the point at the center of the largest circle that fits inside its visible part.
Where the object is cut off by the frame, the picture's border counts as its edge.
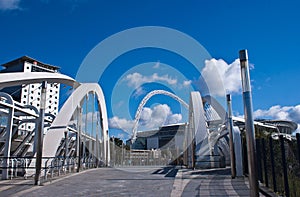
(19, 78)
(144, 101)
(197, 122)
(56, 132)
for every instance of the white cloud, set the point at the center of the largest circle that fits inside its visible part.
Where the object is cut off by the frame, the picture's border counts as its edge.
(187, 83)
(138, 92)
(9, 4)
(174, 118)
(150, 118)
(137, 79)
(90, 117)
(160, 115)
(120, 123)
(278, 112)
(218, 72)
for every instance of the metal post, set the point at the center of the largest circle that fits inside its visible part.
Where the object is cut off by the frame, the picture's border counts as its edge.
(106, 148)
(230, 129)
(298, 145)
(66, 163)
(284, 167)
(272, 164)
(113, 151)
(40, 133)
(78, 138)
(97, 144)
(249, 123)
(259, 164)
(122, 153)
(265, 162)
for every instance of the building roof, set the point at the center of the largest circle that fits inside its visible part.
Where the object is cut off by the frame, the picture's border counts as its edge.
(30, 60)
(282, 123)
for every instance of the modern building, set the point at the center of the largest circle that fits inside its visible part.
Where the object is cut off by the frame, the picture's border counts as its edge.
(30, 94)
(166, 137)
(283, 126)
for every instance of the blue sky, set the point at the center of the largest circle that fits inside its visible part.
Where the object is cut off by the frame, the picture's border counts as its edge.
(63, 32)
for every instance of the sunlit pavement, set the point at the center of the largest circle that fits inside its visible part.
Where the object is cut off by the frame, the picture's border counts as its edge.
(134, 181)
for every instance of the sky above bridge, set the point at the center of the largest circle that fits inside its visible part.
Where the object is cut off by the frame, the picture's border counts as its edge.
(64, 32)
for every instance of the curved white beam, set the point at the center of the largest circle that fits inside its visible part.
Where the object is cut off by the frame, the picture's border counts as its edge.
(197, 118)
(19, 78)
(56, 132)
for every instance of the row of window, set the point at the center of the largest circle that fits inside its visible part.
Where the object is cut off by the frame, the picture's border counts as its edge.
(25, 90)
(32, 97)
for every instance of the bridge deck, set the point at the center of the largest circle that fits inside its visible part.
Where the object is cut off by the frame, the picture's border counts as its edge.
(142, 181)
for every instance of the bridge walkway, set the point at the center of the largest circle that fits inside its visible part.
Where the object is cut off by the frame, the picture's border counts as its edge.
(137, 181)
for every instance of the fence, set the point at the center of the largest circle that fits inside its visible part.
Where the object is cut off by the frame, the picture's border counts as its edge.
(278, 162)
(53, 166)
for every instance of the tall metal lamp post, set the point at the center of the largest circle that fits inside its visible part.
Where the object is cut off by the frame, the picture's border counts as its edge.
(230, 129)
(249, 123)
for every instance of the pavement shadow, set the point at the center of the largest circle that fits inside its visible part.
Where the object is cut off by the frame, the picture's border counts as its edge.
(168, 171)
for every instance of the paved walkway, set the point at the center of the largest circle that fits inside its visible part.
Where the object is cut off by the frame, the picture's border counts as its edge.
(142, 181)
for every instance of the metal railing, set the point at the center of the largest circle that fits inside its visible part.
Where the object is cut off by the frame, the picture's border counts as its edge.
(278, 163)
(53, 166)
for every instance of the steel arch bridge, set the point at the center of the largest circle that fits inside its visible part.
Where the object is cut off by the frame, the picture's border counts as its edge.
(78, 132)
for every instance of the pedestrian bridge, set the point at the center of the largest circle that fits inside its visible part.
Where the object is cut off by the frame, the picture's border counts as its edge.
(78, 136)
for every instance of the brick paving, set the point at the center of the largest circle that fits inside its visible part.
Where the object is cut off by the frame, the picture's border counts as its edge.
(140, 181)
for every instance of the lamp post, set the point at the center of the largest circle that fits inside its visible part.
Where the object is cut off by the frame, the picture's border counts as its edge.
(249, 123)
(40, 133)
(230, 129)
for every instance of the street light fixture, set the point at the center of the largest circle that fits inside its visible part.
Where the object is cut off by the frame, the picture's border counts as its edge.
(249, 123)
